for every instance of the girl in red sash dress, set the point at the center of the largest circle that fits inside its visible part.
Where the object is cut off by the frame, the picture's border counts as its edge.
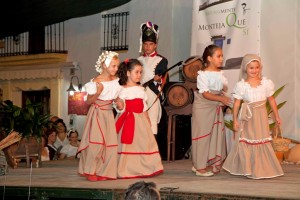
(138, 154)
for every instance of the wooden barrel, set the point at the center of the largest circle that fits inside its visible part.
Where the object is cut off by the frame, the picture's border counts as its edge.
(191, 67)
(179, 96)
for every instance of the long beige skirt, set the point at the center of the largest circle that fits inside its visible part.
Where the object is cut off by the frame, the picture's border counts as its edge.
(141, 158)
(252, 154)
(208, 134)
(98, 144)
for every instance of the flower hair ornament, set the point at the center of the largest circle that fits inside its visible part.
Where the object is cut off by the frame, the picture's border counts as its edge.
(106, 57)
(126, 61)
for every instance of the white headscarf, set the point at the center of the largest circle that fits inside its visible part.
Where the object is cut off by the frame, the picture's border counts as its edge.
(248, 58)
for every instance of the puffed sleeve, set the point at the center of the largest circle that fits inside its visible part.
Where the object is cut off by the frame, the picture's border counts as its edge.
(239, 90)
(202, 82)
(269, 87)
(91, 88)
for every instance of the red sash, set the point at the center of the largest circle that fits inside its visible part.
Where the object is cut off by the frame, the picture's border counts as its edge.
(127, 121)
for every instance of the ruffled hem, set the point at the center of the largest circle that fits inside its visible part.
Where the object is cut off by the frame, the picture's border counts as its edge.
(251, 177)
(255, 161)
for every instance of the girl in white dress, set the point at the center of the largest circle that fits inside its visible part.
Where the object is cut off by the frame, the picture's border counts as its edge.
(98, 146)
(208, 136)
(252, 154)
(69, 151)
(138, 154)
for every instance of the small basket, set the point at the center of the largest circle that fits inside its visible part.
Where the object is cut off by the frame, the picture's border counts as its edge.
(280, 144)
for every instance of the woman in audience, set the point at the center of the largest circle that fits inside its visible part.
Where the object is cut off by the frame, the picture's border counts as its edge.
(44, 149)
(62, 138)
(51, 138)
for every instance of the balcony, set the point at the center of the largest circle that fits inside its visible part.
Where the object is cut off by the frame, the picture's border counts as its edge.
(39, 46)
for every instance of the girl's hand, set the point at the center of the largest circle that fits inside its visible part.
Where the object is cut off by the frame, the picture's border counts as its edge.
(119, 103)
(157, 78)
(278, 121)
(236, 126)
(226, 100)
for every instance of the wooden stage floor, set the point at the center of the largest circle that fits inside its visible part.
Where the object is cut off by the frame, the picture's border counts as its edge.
(59, 180)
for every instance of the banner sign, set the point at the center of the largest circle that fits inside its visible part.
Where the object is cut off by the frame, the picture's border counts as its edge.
(234, 25)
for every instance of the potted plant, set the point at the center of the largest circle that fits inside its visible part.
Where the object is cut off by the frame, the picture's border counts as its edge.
(27, 121)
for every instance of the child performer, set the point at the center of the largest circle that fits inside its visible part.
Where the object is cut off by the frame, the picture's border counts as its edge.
(98, 146)
(208, 134)
(252, 154)
(137, 147)
(69, 151)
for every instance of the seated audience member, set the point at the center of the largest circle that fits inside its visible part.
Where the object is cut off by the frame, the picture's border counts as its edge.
(51, 138)
(54, 119)
(142, 191)
(62, 138)
(69, 151)
(44, 149)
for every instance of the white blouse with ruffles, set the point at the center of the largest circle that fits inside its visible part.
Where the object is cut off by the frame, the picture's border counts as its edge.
(134, 92)
(243, 90)
(211, 81)
(110, 91)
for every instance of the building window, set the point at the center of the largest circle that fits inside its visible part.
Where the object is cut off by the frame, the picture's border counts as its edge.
(115, 28)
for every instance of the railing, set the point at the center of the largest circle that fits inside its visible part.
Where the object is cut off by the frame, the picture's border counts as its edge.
(14, 45)
(55, 38)
(50, 39)
(115, 31)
